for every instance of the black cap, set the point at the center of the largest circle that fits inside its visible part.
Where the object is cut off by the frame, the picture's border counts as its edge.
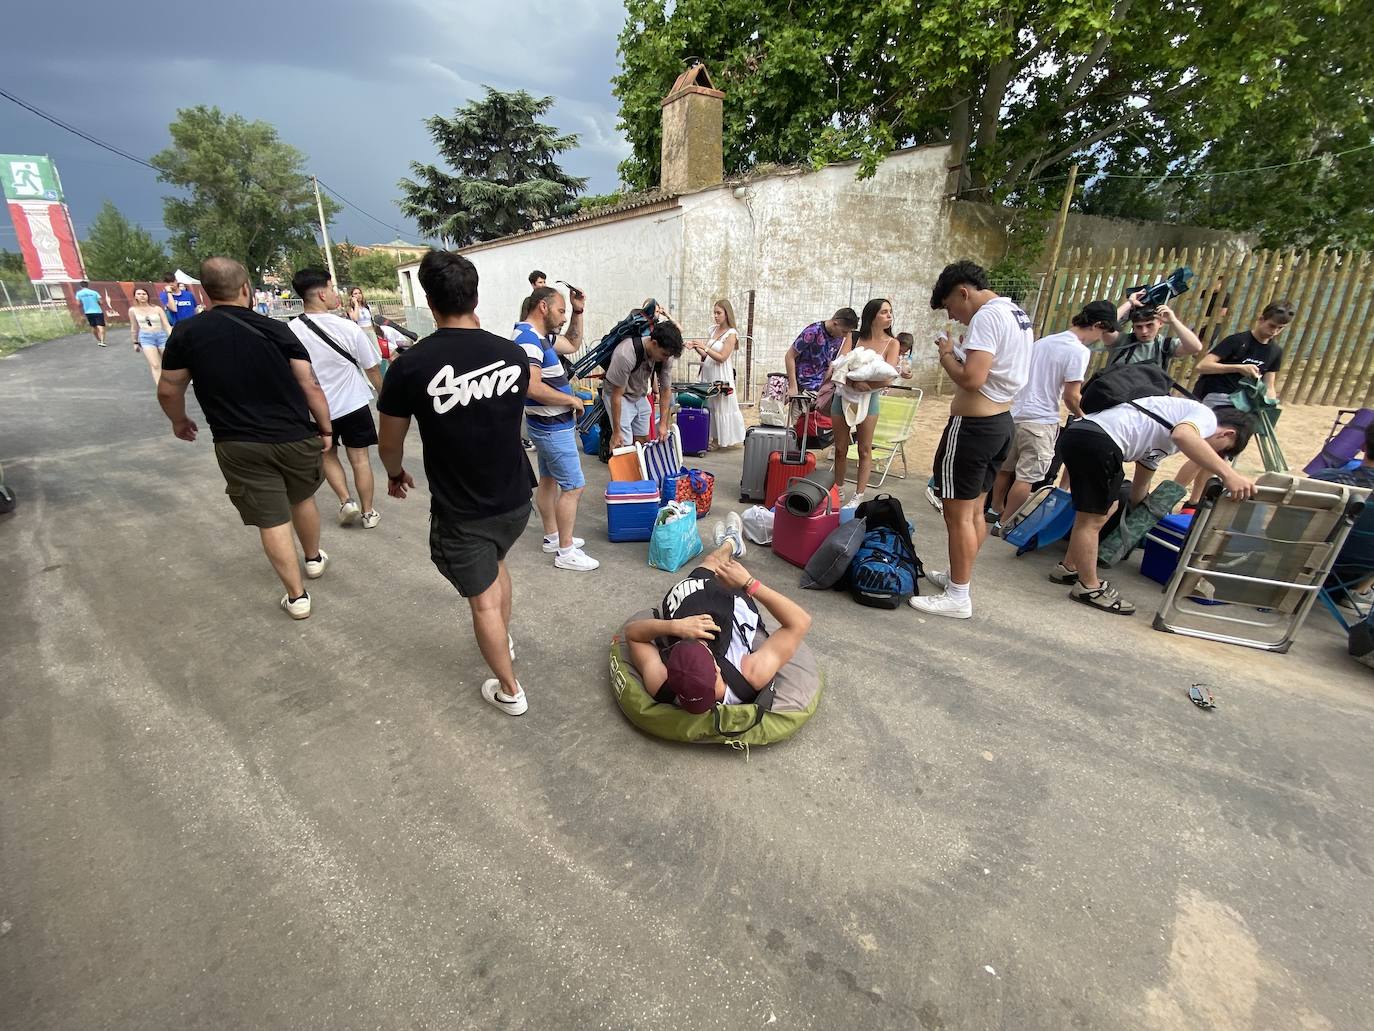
(1095, 312)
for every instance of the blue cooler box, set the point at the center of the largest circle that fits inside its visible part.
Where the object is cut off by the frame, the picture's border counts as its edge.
(1158, 562)
(631, 507)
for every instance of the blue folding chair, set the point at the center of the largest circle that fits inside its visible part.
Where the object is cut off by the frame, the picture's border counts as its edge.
(1354, 565)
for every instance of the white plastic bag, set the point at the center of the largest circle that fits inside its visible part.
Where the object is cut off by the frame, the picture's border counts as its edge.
(758, 524)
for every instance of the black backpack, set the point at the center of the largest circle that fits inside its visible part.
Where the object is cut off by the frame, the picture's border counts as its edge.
(1122, 384)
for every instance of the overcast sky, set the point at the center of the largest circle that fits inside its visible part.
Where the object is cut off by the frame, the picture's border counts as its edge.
(346, 82)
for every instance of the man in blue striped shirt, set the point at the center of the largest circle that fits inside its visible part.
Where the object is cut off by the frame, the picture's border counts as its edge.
(551, 423)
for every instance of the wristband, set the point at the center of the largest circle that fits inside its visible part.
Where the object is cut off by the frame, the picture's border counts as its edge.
(752, 587)
(327, 433)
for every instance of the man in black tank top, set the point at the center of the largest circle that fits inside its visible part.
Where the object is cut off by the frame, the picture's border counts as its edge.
(710, 644)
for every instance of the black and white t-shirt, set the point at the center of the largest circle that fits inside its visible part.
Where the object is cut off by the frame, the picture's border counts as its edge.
(466, 390)
(1240, 349)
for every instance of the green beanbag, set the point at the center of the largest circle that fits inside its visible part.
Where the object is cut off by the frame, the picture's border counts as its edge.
(797, 691)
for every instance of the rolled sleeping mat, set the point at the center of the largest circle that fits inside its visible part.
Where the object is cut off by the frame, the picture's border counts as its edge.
(804, 496)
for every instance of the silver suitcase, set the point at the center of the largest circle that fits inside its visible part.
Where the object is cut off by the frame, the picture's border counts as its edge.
(759, 443)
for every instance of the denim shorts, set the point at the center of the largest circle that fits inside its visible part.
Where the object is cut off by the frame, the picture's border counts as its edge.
(558, 457)
(837, 405)
(152, 338)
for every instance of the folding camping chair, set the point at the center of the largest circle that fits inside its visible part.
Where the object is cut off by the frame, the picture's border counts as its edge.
(1265, 560)
(895, 420)
(1353, 566)
(662, 457)
(1345, 441)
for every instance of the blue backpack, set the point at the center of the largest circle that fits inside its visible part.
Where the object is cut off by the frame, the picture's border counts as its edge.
(885, 569)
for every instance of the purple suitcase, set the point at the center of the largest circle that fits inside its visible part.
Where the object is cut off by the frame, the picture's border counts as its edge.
(695, 424)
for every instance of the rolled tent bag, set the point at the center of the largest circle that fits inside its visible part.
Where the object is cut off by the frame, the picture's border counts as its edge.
(804, 495)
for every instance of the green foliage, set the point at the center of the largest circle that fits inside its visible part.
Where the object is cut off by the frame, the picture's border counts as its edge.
(249, 199)
(375, 270)
(14, 275)
(507, 176)
(1022, 88)
(118, 250)
(590, 201)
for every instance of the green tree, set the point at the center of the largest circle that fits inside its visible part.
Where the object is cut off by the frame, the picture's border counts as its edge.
(1021, 88)
(249, 197)
(116, 249)
(507, 176)
(375, 270)
(14, 275)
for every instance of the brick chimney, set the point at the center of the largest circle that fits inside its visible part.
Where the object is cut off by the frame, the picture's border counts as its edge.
(692, 151)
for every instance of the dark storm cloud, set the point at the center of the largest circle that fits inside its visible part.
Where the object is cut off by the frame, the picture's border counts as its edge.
(347, 83)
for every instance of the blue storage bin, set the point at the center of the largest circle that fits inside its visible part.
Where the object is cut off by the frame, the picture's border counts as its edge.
(631, 507)
(1157, 561)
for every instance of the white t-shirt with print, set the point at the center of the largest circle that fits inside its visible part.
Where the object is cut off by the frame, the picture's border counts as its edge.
(1002, 329)
(345, 387)
(1055, 360)
(1144, 440)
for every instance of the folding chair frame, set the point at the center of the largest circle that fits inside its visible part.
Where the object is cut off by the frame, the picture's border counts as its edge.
(896, 446)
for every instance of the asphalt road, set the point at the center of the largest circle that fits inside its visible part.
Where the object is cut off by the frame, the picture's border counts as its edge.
(213, 817)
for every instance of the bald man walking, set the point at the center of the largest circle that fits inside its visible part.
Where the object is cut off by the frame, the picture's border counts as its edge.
(255, 383)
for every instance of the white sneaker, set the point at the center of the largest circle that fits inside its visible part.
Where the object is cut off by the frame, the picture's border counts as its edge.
(371, 519)
(854, 502)
(718, 532)
(934, 498)
(491, 692)
(551, 546)
(314, 568)
(938, 577)
(298, 609)
(943, 605)
(349, 511)
(576, 560)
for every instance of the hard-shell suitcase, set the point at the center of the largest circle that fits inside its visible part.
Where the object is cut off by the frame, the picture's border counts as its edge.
(759, 443)
(695, 425)
(784, 466)
(796, 537)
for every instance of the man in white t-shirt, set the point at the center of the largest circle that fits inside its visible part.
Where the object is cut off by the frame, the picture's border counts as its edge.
(1144, 431)
(345, 362)
(988, 370)
(1058, 366)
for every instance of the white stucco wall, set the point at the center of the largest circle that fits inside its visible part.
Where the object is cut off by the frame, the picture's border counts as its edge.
(805, 242)
(808, 243)
(618, 264)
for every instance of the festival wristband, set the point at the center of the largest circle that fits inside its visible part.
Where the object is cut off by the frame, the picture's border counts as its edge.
(752, 587)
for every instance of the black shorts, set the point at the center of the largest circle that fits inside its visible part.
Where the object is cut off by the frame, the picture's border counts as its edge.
(356, 429)
(468, 551)
(95, 318)
(971, 450)
(1095, 465)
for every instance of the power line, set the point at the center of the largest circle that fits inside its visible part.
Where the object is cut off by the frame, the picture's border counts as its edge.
(348, 203)
(138, 160)
(73, 129)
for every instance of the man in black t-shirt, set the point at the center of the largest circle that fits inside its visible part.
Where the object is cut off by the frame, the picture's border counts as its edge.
(254, 382)
(1252, 355)
(466, 388)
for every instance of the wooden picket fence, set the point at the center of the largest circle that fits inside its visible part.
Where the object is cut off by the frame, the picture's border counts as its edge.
(1328, 350)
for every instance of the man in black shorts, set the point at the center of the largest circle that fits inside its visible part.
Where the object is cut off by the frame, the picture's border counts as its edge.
(254, 382)
(987, 368)
(466, 388)
(1144, 431)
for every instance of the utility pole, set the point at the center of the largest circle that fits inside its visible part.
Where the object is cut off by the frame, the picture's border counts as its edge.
(324, 230)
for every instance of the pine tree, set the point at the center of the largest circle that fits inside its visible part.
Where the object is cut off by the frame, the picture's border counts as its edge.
(507, 174)
(118, 250)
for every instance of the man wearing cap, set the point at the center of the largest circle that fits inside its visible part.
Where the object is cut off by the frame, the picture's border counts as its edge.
(809, 357)
(711, 646)
(1058, 366)
(1144, 343)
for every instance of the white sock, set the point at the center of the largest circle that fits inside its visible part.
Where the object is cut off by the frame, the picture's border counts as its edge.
(565, 552)
(959, 592)
(551, 538)
(511, 697)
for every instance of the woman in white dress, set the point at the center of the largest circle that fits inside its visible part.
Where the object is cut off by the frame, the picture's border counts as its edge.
(717, 365)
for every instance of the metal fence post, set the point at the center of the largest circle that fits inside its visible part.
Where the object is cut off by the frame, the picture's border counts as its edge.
(749, 350)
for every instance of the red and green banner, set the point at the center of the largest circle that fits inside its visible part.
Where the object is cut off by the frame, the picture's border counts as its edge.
(33, 193)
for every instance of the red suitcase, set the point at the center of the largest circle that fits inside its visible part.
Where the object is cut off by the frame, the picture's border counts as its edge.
(783, 467)
(796, 538)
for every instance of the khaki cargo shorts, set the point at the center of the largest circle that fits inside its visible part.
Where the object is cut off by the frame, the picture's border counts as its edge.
(1031, 451)
(265, 480)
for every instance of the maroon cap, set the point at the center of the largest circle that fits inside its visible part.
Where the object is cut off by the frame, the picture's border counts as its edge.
(692, 676)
